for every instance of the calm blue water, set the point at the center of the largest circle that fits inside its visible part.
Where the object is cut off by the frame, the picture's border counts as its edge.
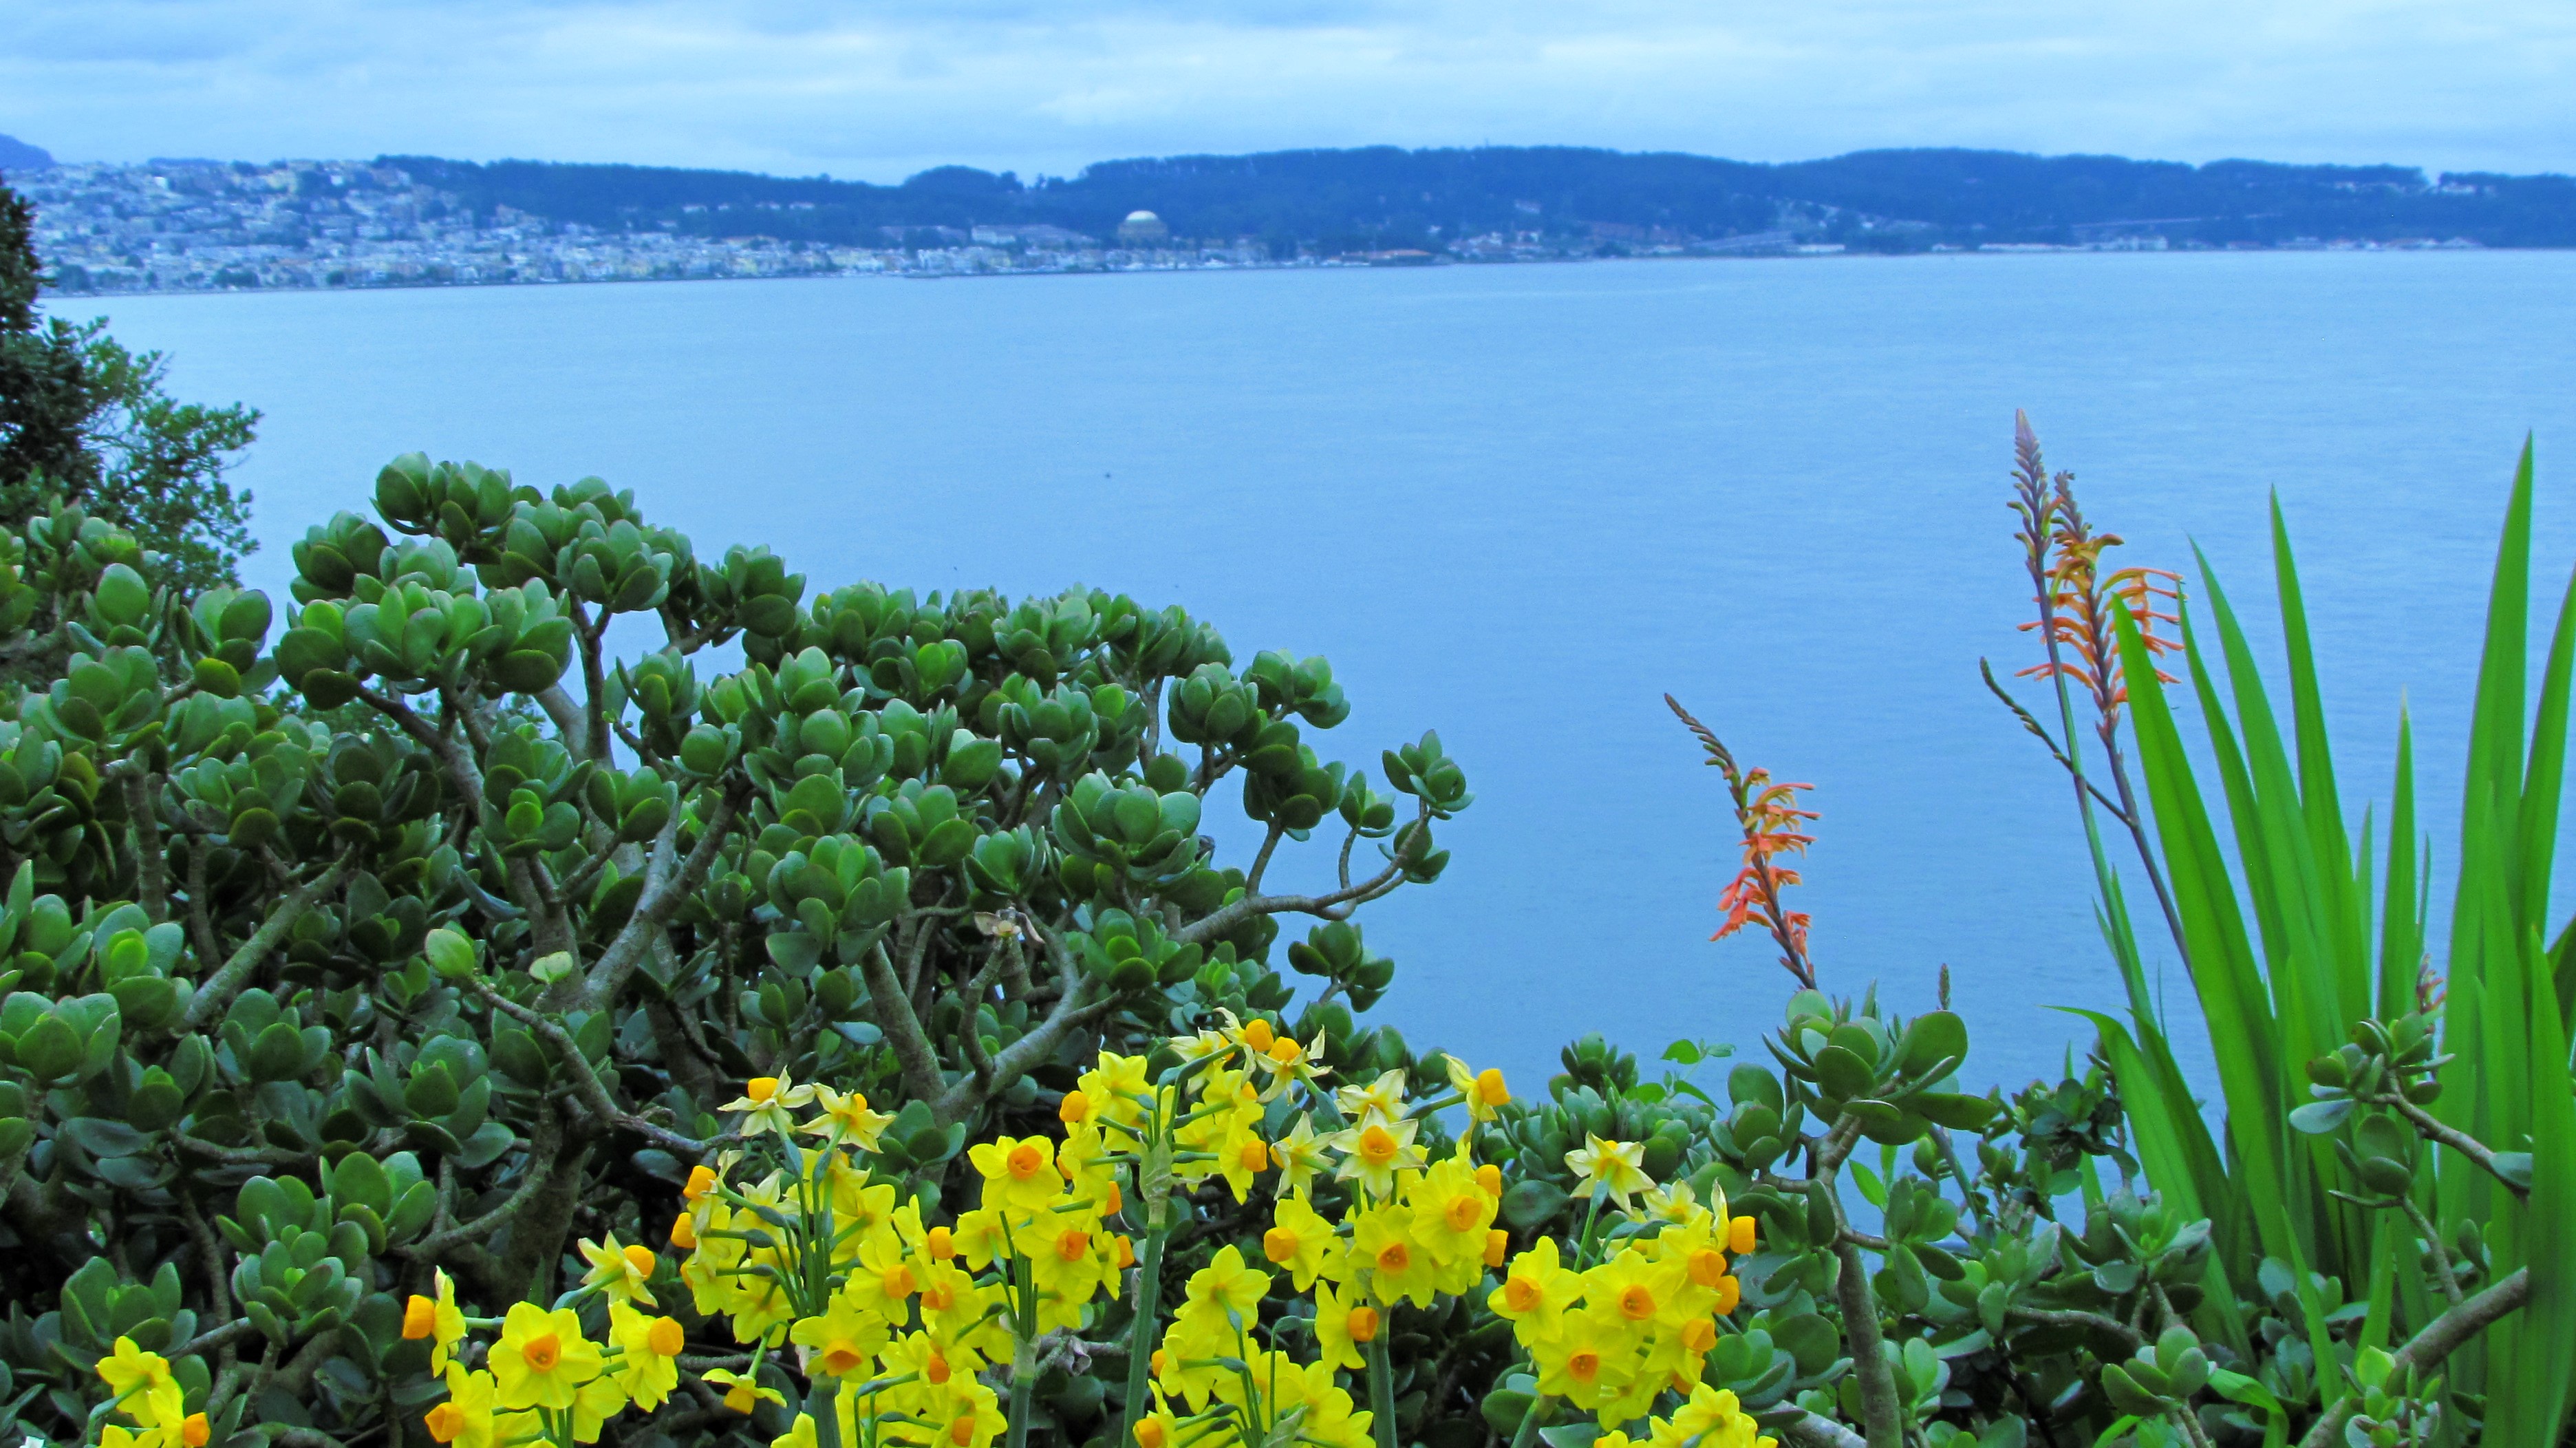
(1519, 503)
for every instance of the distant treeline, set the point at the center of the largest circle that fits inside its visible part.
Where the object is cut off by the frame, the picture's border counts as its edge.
(1387, 196)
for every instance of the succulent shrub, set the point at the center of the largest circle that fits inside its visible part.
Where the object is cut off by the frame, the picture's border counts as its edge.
(408, 927)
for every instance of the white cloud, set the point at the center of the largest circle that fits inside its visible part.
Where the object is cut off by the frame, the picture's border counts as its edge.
(881, 90)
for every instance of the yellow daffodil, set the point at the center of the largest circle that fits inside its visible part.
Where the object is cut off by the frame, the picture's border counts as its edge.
(967, 1415)
(1589, 1362)
(1677, 1353)
(437, 1319)
(1536, 1293)
(144, 1389)
(840, 1343)
(1299, 1156)
(465, 1419)
(1713, 1418)
(1242, 1156)
(1117, 1089)
(625, 1274)
(883, 1279)
(1632, 1288)
(742, 1391)
(1483, 1091)
(953, 1307)
(648, 1349)
(1381, 1101)
(1158, 1429)
(802, 1435)
(1451, 1211)
(847, 1119)
(927, 1360)
(1069, 1259)
(1344, 1323)
(1019, 1173)
(1399, 1267)
(1301, 1241)
(599, 1400)
(542, 1359)
(1329, 1417)
(1375, 1152)
(1617, 1167)
(766, 1103)
(1227, 1283)
(983, 1236)
(1678, 1205)
(702, 1181)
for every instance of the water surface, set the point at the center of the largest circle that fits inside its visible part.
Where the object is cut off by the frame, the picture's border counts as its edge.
(1518, 504)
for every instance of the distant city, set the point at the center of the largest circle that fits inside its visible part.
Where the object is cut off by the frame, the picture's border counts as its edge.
(199, 225)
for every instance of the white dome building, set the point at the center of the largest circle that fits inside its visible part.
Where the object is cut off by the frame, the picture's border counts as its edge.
(1142, 227)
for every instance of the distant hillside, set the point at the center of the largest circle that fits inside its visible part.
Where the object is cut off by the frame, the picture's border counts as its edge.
(17, 155)
(1386, 196)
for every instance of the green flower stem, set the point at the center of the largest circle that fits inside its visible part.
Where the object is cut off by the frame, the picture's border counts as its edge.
(1024, 1346)
(820, 1406)
(1527, 1432)
(1381, 1376)
(1024, 1381)
(1140, 1337)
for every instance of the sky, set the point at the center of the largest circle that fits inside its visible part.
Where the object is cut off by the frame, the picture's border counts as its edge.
(877, 89)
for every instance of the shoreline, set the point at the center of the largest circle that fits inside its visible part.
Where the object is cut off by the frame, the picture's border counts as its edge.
(1302, 264)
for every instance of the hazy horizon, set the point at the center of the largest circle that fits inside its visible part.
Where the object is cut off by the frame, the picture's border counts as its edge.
(798, 87)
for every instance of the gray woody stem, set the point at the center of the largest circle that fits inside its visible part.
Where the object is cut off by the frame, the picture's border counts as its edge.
(220, 988)
(2437, 1341)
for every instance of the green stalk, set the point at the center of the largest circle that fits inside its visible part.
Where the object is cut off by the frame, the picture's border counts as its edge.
(821, 1406)
(1024, 1382)
(1381, 1376)
(1140, 1336)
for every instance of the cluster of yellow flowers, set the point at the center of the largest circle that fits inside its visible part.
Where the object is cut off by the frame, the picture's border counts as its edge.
(147, 1393)
(1610, 1338)
(544, 1379)
(894, 1321)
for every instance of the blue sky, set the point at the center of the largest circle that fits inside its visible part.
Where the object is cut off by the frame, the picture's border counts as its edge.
(876, 89)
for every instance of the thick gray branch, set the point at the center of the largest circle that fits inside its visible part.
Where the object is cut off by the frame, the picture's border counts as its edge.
(2439, 1339)
(219, 988)
(666, 885)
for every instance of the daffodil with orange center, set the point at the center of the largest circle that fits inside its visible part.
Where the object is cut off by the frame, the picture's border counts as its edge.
(1375, 1152)
(1301, 1241)
(1590, 1362)
(768, 1104)
(1483, 1091)
(1398, 1266)
(1069, 1259)
(1451, 1211)
(742, 1391)
(647, 1367)
(1615, 1167)
(1019, 1173)
(847, 1120)
(1536, 1293)
(542, 1359)
(465, 1420)
(625, 1273)
(145, 1390)
(438, 1319)
(844, 1339)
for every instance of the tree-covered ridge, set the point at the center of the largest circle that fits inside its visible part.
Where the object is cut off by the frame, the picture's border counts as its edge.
(1893, 198)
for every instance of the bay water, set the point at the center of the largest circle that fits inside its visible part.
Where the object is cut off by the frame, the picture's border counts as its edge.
(1518, 504)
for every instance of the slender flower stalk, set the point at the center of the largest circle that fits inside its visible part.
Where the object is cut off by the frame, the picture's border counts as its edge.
(1767, 813)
